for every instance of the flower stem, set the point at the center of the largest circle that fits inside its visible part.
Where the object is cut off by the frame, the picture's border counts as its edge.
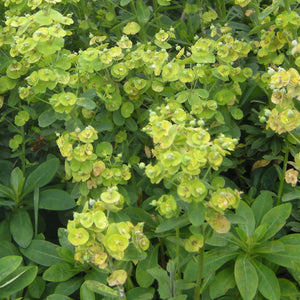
(200, 273)
(280, 189)
(178, 254)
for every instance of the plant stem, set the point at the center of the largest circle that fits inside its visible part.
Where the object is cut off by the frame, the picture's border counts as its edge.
(23, 157)
(280, 189)
(200, 272)
(163, 260)
(178, 254)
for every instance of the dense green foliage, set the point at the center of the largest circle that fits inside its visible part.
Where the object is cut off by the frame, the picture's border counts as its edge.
(150, 149)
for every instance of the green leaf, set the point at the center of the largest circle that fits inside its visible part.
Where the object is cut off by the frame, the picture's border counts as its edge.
(17, 181)
(140, 293)
(268, 284)
(9, 264)
(21, 227)
(138, 214)
(143, 278)
(36, 199)
(18, 280)
(181, 297)
(37, 287)
(7, 248)
(66, 254)
(6, 192)
(7, 203)
(270, 247)
(5, 168)
(47, 118)
(260, 27)
(271, 8)
(42, 175)
(131, 253)
(219, 239)
(86, 103)
(102, 289)
(287, 258)
(202, 93)
(245, 276)
(89, 94)
(54, 199)
(5, 60)
(291, 239)
(262, 204)
(104, 149)
(42, 252)
(118, 118)
(126, 110)
(6, 84)
(172, 223)
(245, 212)
(259, 232)
(291, 196)
(216, 258)
(63, 239)
(223, 281)
(60, 272)
(196, 213)
(288, 289)
(131, 124)
(143, 12)
(124, 2)
(85, 293)
(69, 287)
(5, 230)
(58, 297)
(275, 219)
(237, 113)
(163, 281)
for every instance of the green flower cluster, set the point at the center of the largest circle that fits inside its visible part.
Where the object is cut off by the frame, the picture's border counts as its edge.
(224, 198)
(166, 206)
(82, 164)
(277, 37)
(182, 144)
(285, 87)
(33, 39)
(96, 238)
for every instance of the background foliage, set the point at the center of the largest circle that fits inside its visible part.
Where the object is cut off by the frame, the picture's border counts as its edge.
(149, 149)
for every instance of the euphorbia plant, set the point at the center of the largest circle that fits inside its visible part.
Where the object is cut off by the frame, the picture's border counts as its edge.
(146, 128)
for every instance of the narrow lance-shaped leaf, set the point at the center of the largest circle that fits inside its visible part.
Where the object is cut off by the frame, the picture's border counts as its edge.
(60, 272)
(102, 289)
(143, 278)
(6, 192)
(223, 281)
(245, 211)
(172, 224)
(275, 219)
(54, 199)
(21, 228)
(19, 279)
(42, 252)
(42, 175)
(245, 276)
(163, 281)
(86, 293)
(17, 181)
(268, 284)
(8, 264)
